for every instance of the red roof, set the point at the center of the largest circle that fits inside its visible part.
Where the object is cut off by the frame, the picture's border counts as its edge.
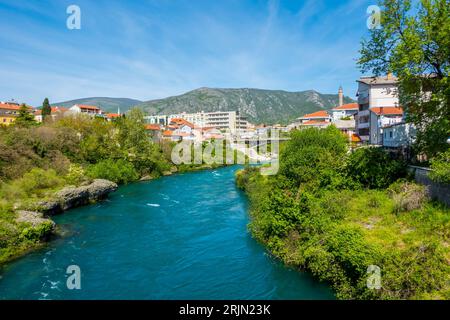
(349, 106)
(8, 106)
(387, 111)
(85, 106)
(112, 115)
(167, 133)
(180, 122)
(154, 127)
(314, 122)
(318, 114)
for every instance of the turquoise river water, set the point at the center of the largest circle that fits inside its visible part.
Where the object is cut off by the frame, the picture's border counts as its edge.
(179, 237)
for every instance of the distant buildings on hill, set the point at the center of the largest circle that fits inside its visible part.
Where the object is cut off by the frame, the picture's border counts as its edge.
(376, 118)
(221, 120)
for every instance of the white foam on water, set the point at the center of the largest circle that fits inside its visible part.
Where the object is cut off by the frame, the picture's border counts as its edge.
(153, 204)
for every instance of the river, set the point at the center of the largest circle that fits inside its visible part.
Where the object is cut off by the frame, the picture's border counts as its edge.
(179, 237)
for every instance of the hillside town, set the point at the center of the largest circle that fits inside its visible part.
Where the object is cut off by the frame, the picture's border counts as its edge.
(375, 119)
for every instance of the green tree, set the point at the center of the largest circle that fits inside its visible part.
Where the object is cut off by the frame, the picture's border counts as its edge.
(414, 44)
(374, 168)
(46, 109)
(25, 118)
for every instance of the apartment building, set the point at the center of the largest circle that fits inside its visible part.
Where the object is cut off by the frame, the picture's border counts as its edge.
(378, 107)
(222, 120)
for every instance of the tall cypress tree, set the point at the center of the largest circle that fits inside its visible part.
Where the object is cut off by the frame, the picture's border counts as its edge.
(46, 109)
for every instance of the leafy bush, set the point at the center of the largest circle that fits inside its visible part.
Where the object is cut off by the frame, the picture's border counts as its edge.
(314, 156)
(441, 168)
(37, 233)
(119, 171)
(407, 196)
(374, 168)
(36, 183)
(76, 174)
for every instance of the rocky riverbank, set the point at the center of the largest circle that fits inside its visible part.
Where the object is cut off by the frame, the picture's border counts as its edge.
(31, 226)
(72, 197)
(65, 199)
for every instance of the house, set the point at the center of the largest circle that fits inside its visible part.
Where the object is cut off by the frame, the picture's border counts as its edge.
(8, 112)
(86, 109)
(154, 132)
(378, 106)
(346, 111)
(179, 129)
(399, 135)
(112, 116)
(211, 133)
(57, 112)
(380, 118)
(319, 119)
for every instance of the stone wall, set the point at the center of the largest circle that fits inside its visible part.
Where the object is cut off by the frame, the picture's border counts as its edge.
(436, 190)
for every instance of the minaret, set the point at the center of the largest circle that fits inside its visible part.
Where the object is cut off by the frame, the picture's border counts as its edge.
(341, 96)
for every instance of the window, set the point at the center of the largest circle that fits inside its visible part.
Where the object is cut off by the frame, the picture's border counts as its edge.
(390, 134)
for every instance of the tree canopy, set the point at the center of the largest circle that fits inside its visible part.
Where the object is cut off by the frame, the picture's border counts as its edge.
(414, 44)
(25, 118)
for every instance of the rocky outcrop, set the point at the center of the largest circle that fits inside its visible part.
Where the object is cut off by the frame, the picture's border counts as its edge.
(35, 219)
(100, 188)
(72, 197)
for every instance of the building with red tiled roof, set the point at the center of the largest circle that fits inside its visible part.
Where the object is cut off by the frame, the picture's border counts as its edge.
(86, 109)
(394, 111)
(378, 106)
(112, 115)
(9, 112)
(152, 127)
(348, 106)
(181, 122)
(316, 119)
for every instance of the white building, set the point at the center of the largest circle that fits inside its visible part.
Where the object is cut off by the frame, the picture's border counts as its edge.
(378, 107)
(399, 135)
(222, 120)
(345, 112)
(85, 109)
(319, 119)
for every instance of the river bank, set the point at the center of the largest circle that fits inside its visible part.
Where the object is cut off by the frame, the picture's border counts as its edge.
(33, 224)
(33, 220)
(355, 221)
(183, 236)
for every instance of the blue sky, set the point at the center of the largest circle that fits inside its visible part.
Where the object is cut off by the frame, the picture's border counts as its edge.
(157, 48)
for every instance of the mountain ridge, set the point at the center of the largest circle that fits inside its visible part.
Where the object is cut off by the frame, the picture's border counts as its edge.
(258, 105)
